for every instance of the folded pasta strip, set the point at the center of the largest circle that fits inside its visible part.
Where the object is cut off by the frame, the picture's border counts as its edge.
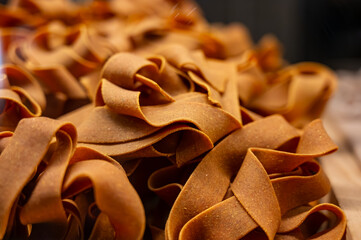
(181, 129)
(51, 174)
(259, 197)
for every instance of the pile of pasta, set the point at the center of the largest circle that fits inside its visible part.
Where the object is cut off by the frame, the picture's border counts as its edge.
(135, 119)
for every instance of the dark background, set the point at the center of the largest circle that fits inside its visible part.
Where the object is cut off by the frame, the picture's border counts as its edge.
(327, 31)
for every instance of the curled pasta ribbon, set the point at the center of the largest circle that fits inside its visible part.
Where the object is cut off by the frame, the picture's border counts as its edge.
(179, 14)
(59, 56)
(48, 57)
(53, 178)
(20, 78)
(219, 79)
(195, 64)
(15, 17)
(114, 34)
(250, 80)
(299, 92)
(298, 216)
(136, 72)
(7, 37)
(120, 203)
(15, 26)
(158, 123)
(33, 136)
(21, 97)
(276, 173)
(226, 41)
(269, 54)
(225, 82)
(59, 9)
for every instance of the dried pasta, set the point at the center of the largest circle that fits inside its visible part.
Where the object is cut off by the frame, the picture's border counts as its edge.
(135, 119)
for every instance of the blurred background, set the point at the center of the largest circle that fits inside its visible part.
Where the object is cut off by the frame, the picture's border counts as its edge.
(327, 31)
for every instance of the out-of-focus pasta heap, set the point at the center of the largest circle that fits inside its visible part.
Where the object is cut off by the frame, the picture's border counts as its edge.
(168, 127)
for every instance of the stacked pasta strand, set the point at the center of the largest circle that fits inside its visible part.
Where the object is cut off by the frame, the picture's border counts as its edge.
(188, 129)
